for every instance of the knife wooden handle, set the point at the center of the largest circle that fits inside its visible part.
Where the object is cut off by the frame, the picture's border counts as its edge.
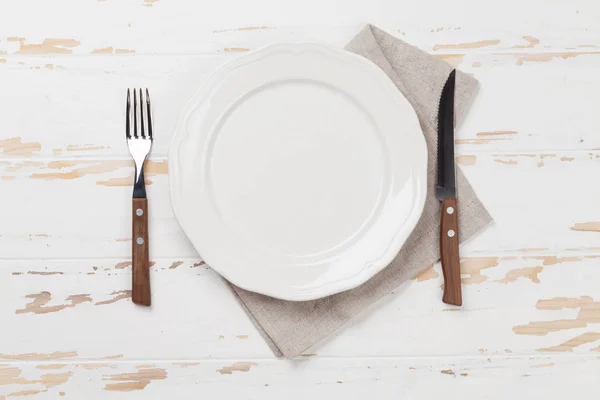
(449, 252)
(140, 265)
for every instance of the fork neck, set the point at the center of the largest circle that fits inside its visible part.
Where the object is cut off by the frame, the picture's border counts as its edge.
(139, 187)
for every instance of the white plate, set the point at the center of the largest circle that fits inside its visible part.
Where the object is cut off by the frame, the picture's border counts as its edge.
(298, 171)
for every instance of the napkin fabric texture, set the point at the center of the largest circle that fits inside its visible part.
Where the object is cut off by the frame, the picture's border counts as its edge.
(292, 327)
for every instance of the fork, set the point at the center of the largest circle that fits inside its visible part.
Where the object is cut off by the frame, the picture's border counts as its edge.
(139, 145)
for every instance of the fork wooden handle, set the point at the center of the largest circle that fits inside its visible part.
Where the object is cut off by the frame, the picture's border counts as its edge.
(449, 253)
(140, 266)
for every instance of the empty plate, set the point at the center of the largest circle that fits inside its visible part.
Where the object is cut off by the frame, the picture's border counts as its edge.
(298, 171)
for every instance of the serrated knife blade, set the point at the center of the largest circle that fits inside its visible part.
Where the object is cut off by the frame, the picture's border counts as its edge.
(446, 177)
(446, 192)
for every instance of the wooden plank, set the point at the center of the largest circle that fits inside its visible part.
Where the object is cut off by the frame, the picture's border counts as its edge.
(535, 201)
(86, 307)
(513, 305)
(383, 378)
(74, 106)
(52, 220)
(185, 26)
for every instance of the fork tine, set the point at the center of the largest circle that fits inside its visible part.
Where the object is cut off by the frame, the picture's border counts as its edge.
(135, 114)
(143, 131)
(128, 117)
(149, 114)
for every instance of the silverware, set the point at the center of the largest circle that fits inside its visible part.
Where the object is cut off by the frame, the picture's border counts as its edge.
(139, 145)
(446, 193)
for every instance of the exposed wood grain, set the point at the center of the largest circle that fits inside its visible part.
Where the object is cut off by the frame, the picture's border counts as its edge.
(55, 379)
(24, 393)
(138, 380)
(16, 147)
(531, 42)
(569, 345)
(185, 364)
(488, 137)
(507, 162)
(119, 295)
(123, 265)
(546, 57)
(149, 3)
(241, 366)
(553, 260)
(51, 366)
(589, 313)
(13, 376)
(235, 49)
(471, 45)
(49, 46)
(104, 50)
(428, 274)
(496, 133)
(175, 264)
(78, 169)
(57, 355)
(466, 159)
(245, 28)
(528, 273)
(83, 147)
(90, 366)
(75, 169)
(586, 227)
(473, 267)
(44, 273)
(39, 302)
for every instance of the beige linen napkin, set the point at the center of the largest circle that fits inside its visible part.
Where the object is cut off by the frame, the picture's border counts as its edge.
(292, 327)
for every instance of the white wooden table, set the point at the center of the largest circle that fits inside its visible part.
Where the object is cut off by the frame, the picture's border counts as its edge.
(530, 325)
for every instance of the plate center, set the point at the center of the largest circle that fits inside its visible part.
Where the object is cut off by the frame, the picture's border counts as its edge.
(297, 168)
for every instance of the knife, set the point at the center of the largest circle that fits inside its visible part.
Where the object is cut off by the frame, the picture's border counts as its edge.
(446, 193)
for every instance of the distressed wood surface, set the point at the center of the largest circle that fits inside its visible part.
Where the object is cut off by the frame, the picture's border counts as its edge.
(515, 187)
(390, 377)
(515, 305)
(524, 104)
(530, 145)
